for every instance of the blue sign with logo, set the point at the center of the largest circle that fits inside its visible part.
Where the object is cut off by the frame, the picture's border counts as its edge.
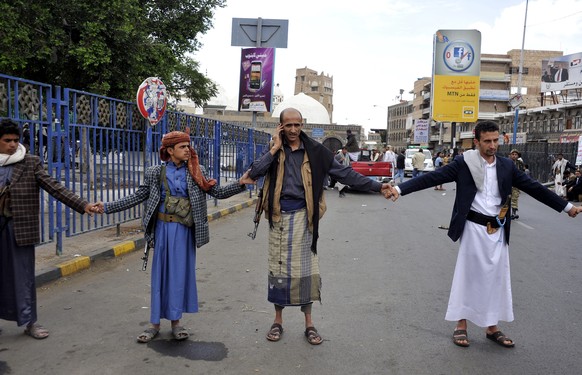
(317, 133)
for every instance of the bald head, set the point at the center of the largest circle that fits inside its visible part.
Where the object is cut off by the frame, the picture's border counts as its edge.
(289, 112)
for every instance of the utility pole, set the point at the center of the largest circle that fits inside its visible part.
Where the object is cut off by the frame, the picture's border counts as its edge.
(515, 120)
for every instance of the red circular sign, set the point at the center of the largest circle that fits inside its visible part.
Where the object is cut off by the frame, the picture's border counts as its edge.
(152, 99)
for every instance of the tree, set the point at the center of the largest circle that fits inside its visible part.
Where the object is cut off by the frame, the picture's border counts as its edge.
(107, 46)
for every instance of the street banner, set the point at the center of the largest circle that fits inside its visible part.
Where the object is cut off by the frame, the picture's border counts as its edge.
(456, 76)
(152, 99)
(421, 131)
(562, 73)
(256, 79)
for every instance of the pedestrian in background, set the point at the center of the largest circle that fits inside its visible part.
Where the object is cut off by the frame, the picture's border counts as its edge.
(558, 169)
(294, 203)
(400, 165)
(481, 288)
(343, 158)
(21, 177)
(175, 223)
(352, 146)
(438, 163)
(418, 159)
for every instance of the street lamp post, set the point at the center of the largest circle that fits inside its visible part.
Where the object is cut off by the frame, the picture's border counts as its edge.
(516, 119)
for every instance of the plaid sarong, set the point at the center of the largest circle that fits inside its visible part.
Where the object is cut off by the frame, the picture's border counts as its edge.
(293, 268)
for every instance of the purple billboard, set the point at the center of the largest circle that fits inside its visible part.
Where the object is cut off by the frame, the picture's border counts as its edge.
(256, 79)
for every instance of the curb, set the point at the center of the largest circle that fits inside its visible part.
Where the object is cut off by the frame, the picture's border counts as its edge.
(70, 267)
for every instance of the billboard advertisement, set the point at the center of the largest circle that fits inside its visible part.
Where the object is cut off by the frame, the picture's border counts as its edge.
(562, 73)
(256, 79)
(456, 75)
(421, 131)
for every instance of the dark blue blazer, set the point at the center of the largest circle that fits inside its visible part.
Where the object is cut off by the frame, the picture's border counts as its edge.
(507, 176)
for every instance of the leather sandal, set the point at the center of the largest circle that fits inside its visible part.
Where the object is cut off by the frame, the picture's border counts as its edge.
(500, 338)
(313, 336)
(460, 338)
(275, 332)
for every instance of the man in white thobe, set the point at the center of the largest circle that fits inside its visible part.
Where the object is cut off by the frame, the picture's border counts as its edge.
(481, 288)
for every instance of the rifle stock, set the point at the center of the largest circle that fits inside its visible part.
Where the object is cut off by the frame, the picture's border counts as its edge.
(258, 213)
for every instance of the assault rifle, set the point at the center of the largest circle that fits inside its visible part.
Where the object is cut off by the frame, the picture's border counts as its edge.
(258, 213)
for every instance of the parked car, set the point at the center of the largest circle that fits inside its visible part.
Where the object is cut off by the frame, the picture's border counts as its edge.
(428, 164)
(379, 170)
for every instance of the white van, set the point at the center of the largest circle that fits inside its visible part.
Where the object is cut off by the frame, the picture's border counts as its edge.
(428, 164)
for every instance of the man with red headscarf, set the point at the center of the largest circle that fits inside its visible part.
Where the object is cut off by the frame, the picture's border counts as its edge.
(175, 223)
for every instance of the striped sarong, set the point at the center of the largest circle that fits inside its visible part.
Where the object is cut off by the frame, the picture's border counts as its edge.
(293, 268)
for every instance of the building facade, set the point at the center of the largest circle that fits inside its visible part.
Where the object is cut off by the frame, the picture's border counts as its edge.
(550, 117)
(399, 124)
(318, 86)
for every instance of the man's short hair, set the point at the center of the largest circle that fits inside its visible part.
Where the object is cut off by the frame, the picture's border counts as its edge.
(8, 126)
(349, 131)
(485, 127)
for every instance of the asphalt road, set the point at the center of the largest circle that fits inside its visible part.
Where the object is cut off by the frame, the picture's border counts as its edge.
(386, 269)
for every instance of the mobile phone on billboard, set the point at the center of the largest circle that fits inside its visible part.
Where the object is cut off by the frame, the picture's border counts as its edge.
(256, 73)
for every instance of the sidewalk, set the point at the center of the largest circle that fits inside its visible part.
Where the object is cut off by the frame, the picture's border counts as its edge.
(80, 251)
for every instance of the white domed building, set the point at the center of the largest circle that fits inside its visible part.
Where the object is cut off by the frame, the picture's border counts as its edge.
(313, 111)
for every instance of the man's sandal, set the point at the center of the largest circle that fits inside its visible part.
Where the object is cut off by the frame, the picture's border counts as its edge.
(460, 338)
(36, 331)
(180, 333)
(147, 335)
(275, 332)
(499, 338)
(312, 336)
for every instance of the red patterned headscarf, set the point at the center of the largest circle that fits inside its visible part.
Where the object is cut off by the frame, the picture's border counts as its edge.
(173, 138)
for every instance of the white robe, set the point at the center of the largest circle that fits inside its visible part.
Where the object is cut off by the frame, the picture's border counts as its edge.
(481, 289)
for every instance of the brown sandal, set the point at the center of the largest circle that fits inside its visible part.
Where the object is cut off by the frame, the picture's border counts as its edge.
(275, 332)
(499, 338)
(312, 336)
(460, 335)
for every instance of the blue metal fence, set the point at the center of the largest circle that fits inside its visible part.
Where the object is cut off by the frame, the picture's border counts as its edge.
(96, 146)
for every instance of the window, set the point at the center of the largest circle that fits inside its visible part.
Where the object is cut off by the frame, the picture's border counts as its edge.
(515, 70)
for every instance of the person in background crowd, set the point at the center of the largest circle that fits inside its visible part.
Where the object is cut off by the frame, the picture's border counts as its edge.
(418, 163)
(438, 162)
(574, 187)
(352, 146)
(400, 165)
(558, 169)
(461, 152)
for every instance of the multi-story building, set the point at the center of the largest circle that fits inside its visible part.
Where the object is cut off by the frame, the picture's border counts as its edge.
(399, 123)
(499, 82)
(317, 86)
(420, 105)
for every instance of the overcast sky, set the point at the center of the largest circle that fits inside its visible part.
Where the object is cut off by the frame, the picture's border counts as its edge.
(374, 48)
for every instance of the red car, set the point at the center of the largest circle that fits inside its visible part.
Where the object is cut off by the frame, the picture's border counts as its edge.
(382, 170)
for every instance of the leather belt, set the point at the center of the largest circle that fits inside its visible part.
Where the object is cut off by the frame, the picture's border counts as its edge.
(484, 220)
(168, 218)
